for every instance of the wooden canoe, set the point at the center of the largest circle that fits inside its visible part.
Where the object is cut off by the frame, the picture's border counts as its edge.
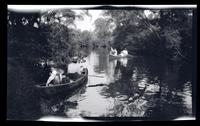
(118, 57)
(62, 89)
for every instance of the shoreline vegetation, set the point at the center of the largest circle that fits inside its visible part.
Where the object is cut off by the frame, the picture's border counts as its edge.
(52, 35)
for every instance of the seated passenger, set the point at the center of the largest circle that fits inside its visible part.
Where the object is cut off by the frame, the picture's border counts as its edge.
(56, 76)
(121, 54)
(113, 52)
(124, 52)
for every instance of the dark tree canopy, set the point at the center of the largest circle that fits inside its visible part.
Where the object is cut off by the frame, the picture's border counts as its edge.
(160, 32)
(53, 34)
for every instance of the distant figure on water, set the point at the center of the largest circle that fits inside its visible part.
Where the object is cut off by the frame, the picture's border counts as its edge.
(124, 52)
(113, 52)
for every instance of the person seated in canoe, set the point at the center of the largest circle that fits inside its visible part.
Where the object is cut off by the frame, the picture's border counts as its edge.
(124, 52)
(113, 52)
(75, 70)
(74, 59)
(56, 77)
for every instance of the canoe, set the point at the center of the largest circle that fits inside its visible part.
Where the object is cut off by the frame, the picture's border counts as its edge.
(118, 57)
(64, 88)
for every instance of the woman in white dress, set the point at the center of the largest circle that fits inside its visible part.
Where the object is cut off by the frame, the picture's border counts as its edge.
(56, 76)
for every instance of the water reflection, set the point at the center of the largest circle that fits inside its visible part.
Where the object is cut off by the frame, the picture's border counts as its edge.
(137, 87)
(58, 106)
(134, 88)
(123, 61)
(111, 75)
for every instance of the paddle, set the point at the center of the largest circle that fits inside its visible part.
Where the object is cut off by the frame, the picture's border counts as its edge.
(96, 76)
(95, 85)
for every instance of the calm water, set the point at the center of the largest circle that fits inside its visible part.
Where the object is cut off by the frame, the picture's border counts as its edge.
(136, 87)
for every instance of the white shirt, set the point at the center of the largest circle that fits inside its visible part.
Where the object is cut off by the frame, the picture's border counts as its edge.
(73, 68)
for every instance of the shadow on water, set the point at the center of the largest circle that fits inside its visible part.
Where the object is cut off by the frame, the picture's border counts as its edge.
(56, 106)
(137, 87)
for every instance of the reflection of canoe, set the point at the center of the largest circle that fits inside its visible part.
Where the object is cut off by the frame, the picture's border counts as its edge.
(60, 89)
(117, 57)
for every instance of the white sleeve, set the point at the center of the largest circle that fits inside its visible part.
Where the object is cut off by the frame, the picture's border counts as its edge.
(51, 78)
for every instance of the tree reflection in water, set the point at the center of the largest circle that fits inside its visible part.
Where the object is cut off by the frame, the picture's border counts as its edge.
(59, 106)
(149, 90)
(124, 61)
(137, 87)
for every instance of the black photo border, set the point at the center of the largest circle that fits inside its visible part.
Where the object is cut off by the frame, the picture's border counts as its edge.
(3, 46)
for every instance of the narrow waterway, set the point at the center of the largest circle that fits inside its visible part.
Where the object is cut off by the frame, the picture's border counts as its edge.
(128, 87)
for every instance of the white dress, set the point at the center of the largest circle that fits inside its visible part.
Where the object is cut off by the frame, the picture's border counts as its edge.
(53, 75)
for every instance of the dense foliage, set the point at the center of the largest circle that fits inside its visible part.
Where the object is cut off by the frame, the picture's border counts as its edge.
(52, 35)
(24, 38)
(103, 31)
(153, 32)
